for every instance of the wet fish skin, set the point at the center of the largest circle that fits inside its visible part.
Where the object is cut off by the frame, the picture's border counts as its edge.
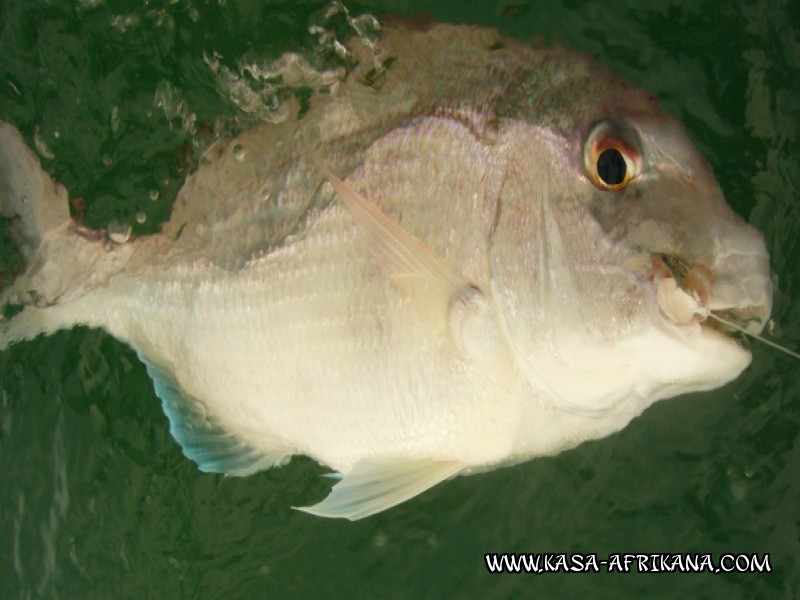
(411, 281)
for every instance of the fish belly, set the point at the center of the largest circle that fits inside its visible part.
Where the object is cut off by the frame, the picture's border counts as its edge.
(310, 350)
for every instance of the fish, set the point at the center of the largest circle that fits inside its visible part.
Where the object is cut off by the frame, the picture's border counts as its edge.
(469, 253)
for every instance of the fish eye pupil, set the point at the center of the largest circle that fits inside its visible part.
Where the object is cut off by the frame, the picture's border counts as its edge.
(611, 166)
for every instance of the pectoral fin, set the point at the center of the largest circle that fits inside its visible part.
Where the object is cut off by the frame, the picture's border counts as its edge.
(374, 485)
(404, 259)
(447, 304)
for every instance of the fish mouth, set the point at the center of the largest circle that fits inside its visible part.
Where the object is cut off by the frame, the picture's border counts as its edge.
(735, 295)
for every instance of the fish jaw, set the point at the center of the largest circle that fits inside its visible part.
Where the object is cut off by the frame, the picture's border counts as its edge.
(735, 285)
(743, 288)
(590, 390)
(595, 387)
(706, 232)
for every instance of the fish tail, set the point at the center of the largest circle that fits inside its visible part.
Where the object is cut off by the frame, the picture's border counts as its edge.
(26, 325)
(37, 216)
(34, 202)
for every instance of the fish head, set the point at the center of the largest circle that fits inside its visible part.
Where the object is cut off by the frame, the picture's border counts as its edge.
(669, 209)
(613, 248)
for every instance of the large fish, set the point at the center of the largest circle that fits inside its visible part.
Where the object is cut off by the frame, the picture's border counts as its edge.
(477, 254)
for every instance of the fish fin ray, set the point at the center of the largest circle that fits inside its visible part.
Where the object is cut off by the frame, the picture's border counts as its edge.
(404, 259)
(200, 436)
(26, 325)
(375, 485)
(442, 299)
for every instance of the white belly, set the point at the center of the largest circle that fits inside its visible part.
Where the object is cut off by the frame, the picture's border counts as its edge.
(309, 350)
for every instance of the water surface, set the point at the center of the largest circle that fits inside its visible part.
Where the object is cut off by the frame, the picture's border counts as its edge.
(97, 500)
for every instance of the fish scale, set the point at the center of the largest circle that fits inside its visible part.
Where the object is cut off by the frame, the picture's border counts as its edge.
(307, 302)
(419, 277)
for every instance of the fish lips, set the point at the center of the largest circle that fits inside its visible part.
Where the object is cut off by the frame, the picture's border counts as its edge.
(742, 290)
(736, 287)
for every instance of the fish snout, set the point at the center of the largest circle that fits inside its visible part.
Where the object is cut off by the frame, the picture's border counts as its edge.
(738, 288)
(742, 289)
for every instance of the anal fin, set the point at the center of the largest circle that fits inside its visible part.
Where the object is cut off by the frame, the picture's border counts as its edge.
(374, 485)
(201, 437)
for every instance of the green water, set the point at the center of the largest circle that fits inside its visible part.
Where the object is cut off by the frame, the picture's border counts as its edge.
(97, 500)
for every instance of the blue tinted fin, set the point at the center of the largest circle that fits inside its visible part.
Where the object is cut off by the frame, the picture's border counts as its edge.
(201, 437)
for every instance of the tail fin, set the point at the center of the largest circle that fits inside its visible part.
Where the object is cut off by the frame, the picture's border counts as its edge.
(35, 205)
(27, 194)
(63, 261)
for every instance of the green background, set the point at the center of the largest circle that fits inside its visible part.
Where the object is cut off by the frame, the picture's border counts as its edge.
(96, 499)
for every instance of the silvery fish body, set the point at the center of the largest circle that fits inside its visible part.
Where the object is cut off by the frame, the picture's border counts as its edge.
(480, 254)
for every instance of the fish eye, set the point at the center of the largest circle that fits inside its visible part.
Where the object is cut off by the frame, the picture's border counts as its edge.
(611, 166)
(610, 156)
